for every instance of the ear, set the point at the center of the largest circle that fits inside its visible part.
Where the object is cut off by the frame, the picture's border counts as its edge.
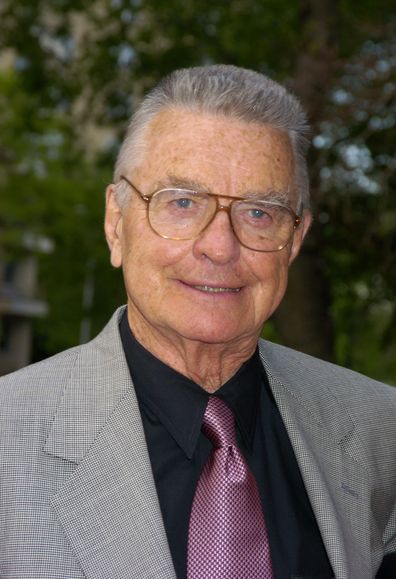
(299, 235)
(113, 226)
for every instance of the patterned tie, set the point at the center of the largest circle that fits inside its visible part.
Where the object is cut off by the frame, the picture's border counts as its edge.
(227, 536)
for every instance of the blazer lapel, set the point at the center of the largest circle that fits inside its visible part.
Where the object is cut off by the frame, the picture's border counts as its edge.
(108, 507)
(321, 434)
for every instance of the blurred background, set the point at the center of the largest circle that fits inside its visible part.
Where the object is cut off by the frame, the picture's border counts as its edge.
(72, 72)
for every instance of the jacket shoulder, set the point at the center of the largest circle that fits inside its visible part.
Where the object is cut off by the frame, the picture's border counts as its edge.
(309, 375)
(38, 388)
(38, 385)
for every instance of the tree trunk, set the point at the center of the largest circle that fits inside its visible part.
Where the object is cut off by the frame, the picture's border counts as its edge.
(303, 321)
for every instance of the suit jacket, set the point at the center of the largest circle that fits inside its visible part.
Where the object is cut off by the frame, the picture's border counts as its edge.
(77, 495)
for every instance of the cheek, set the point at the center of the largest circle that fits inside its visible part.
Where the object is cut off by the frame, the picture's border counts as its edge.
(271, 272)
(133, 256)
(147, 258)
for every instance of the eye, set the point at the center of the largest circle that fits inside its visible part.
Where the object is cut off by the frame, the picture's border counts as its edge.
(257, 213)
(254, 215)
(179, 204)
(175, 201)
(183, 203)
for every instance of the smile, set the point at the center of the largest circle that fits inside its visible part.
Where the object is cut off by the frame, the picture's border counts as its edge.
(211, 289)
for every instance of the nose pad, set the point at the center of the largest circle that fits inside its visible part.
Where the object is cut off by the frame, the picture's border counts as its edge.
(221, 208)
(218, 240)
(226, 208)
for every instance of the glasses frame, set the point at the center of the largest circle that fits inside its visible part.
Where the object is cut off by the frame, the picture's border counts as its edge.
(220, 207)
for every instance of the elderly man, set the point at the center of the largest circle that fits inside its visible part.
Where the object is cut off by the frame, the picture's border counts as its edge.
(176, 443)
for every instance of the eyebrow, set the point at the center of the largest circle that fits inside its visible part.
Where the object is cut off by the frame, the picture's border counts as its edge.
(272, 195)
(186, 183)
(181, 183)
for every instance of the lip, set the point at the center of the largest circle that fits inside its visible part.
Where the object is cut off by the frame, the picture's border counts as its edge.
(213, 289)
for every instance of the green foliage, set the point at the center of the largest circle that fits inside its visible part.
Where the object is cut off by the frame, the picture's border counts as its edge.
(76, 70)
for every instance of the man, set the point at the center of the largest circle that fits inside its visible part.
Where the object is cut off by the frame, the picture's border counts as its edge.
(105, 471)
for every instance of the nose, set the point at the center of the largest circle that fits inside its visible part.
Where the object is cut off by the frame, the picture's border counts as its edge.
(217, 241)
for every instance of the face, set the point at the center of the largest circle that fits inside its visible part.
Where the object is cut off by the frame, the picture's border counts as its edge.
(210, 289)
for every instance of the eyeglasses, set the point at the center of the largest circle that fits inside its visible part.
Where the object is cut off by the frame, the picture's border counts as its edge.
(182, 214)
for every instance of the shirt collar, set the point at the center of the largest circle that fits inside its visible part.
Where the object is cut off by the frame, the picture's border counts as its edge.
(179, 403)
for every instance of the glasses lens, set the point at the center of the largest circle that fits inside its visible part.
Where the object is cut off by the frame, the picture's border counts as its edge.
(262, 226)
(180, 213)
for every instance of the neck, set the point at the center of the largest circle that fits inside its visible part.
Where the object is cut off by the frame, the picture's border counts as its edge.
(208, 364)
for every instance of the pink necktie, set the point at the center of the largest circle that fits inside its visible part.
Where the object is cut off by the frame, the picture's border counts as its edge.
(227, 536)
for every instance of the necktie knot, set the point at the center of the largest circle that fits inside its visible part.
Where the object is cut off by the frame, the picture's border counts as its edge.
(218, 423)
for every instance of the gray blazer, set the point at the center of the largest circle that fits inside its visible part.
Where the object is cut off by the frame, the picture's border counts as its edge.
(77, 496)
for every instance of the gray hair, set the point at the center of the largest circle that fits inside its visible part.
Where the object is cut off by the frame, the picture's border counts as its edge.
(227, 90)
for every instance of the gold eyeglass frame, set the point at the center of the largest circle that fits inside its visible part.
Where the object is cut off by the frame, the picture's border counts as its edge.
(220, 207)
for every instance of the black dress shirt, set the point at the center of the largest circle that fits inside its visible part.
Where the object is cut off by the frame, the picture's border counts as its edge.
(172, 409)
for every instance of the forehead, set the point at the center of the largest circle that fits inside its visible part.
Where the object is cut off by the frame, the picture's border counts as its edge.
(223, 154)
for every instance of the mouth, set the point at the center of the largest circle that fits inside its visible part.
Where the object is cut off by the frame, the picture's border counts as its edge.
(215, 289)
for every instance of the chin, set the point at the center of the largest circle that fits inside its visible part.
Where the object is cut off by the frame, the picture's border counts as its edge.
(212, 335)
